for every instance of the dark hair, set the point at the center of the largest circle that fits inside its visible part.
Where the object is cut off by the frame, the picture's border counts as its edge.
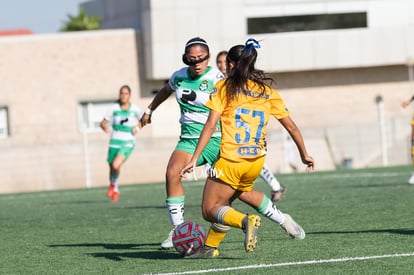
(191, 43)
(120, 89)
(221, 53)
(126, 87)
(243, 58)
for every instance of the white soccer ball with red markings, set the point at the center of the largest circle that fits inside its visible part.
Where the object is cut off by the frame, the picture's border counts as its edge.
(188, 238)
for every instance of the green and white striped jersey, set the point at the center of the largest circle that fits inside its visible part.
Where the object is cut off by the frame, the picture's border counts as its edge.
(122, 121)
(192, 95)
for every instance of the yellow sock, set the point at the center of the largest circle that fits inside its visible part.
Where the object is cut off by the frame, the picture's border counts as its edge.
(229, 216)
(214, 237)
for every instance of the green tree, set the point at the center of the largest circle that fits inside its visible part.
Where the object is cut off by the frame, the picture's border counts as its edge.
(81, 22)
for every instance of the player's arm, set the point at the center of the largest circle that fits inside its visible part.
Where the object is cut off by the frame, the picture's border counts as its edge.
(296, 135)
(136, 128)
(205, 136)
(159, 98)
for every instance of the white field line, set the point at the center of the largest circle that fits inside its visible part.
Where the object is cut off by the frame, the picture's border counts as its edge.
(310, 262)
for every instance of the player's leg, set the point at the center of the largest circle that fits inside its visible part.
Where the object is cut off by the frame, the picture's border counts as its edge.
(114, 175)
(209, 155)
(175, 192)
(267, 208)
(217, 198)
(277, 189)
(117, 159)
(217, 231)
(175, 189)
(215, 235)
(216, 207)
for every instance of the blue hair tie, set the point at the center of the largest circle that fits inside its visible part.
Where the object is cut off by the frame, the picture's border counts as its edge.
(251, 43)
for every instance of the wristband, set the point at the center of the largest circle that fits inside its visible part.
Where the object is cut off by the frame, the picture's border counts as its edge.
(148, 111)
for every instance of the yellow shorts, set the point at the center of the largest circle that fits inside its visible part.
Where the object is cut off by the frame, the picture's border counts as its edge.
(412, 120)
(239, 175)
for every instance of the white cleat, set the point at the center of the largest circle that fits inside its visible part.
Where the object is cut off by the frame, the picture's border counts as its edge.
(411, 180)
(292, 228)
(167, 243)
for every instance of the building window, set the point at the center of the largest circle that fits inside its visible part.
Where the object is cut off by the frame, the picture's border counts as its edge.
(92, 113)
(4, 122)
(306, 22)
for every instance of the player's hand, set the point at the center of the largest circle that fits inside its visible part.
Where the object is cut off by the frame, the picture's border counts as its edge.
(310, 163)
(190, 167)
(135, 130)
(145, 119)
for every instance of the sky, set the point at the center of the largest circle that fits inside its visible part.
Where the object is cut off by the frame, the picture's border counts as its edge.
(39, 16)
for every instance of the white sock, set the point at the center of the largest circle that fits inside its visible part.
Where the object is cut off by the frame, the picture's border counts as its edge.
(268, 177)
(175, 206)
(268, 209)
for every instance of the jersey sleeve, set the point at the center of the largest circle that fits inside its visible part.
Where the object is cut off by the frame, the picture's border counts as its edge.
(171, 83)
(278, 106)
(217, 98)
(171, 80)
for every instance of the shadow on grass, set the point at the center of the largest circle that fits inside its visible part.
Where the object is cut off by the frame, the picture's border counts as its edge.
(108, 203)
(152, 251)
(156, 254)
(402, 231)
(107, 245)
(160, 254)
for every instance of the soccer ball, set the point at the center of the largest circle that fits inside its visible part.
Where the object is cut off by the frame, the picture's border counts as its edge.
(188, 238)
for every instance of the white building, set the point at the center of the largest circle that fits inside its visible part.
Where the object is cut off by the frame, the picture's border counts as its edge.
(328, 50)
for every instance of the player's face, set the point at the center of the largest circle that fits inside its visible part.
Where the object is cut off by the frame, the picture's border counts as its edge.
(197, 53)
(221, 63)
(124, 96)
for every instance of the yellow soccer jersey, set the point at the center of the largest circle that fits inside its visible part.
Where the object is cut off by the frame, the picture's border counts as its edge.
(244, 121)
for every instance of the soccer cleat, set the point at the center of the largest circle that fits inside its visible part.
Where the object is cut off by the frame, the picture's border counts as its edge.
(167, 243)
(277, 195)
(411, 180)
(250, 225)
(110, 190)
(115, 196)
(292, 228)
(205, 252)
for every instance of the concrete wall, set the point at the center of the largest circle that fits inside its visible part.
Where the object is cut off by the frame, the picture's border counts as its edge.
(43, 80)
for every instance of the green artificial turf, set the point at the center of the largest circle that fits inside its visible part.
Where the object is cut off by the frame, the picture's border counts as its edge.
(357, 222)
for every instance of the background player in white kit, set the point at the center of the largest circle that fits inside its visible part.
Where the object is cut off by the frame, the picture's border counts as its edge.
(124, 119)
